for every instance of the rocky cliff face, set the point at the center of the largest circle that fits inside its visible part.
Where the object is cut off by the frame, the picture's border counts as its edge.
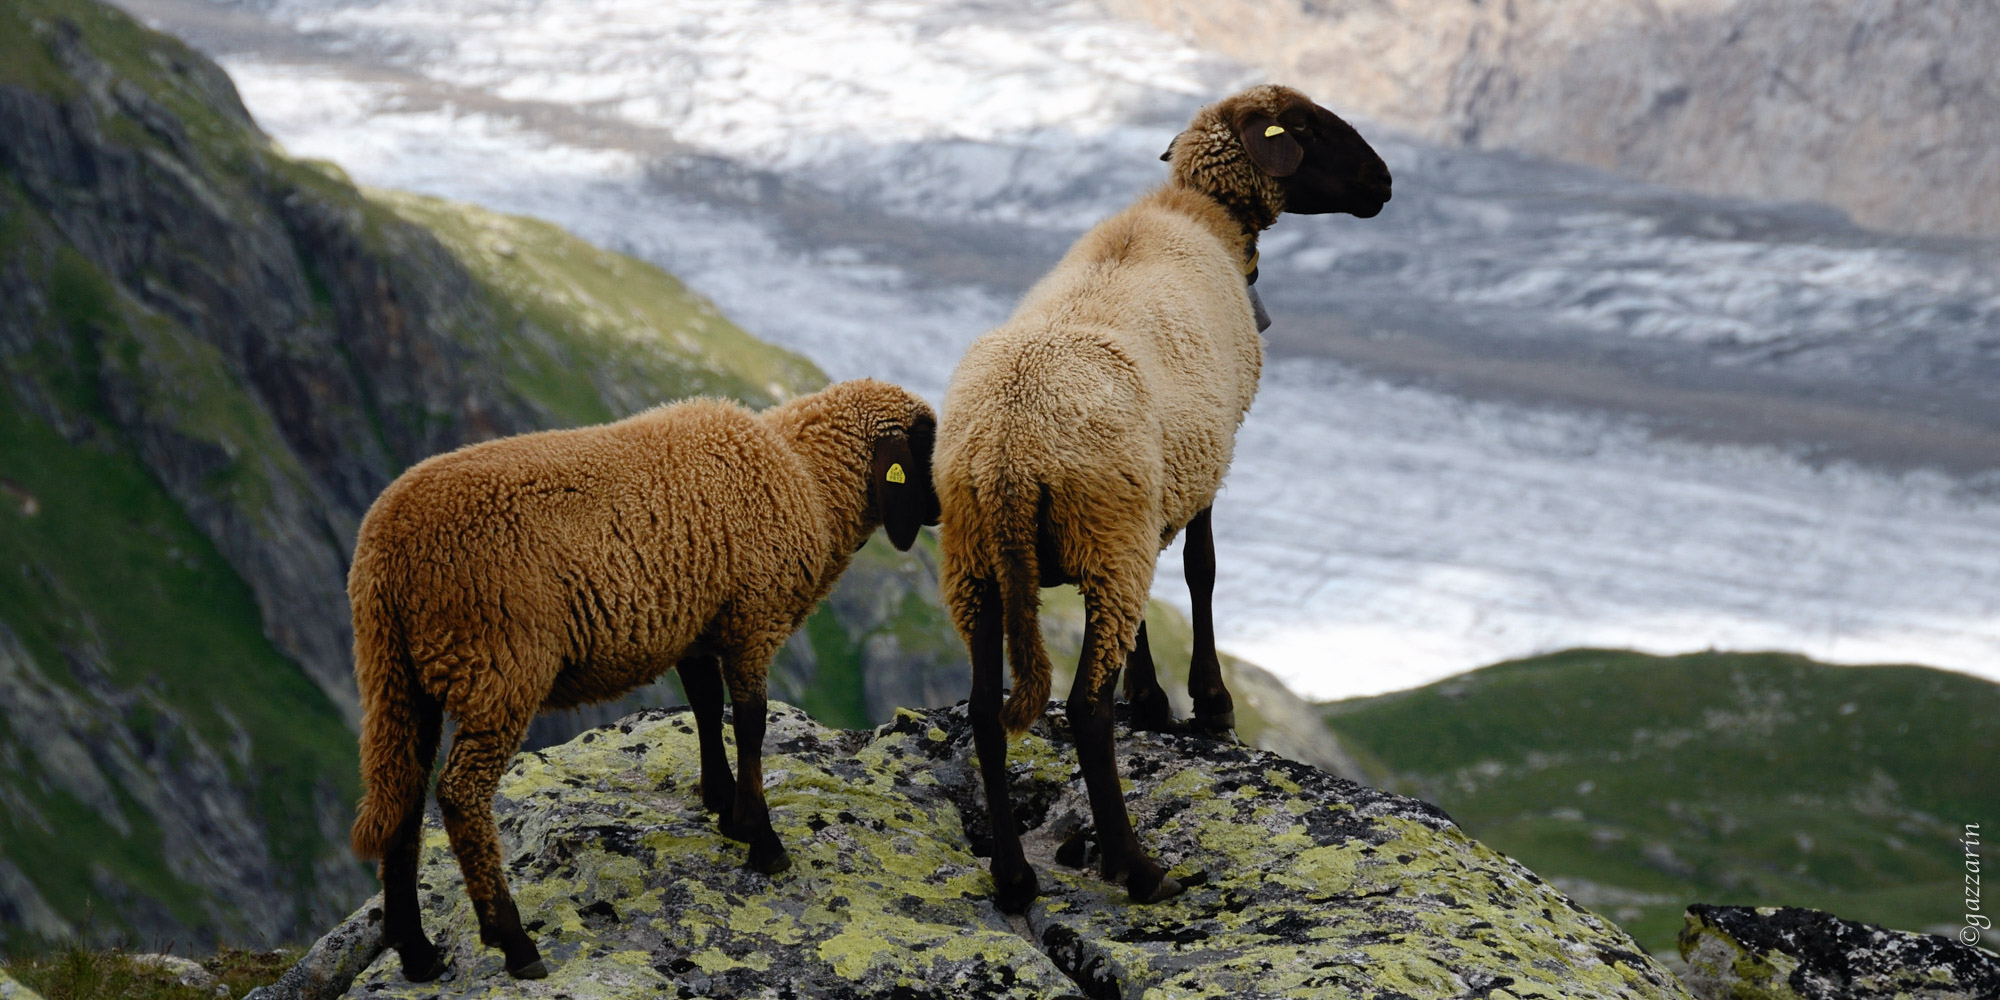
(1883, 108)
(1315, 886)
(1789, 953)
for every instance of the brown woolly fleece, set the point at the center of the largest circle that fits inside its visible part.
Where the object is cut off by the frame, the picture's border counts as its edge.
(563, 567)
(1112, 397)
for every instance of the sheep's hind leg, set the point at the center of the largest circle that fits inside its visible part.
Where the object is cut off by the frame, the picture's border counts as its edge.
(1214, 711)
(1090, 722)
(465, 795)
(701, 678)
(1150, 709)
(1013, 878)
(402, 920)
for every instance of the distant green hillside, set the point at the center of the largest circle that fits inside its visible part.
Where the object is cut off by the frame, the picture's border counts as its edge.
(1641, 784)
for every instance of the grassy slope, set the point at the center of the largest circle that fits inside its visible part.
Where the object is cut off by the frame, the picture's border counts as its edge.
(1647, 783)
(625, 334)
(87, 974)
(110, 564)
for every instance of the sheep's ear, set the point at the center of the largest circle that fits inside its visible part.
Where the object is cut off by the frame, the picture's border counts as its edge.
(1168, 156)
(1270, 145)
(899, 486)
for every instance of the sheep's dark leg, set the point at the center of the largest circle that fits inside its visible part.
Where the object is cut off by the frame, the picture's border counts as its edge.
(750, 820)
(1090, 724)
(1214, 712)
(402, 920)
(465, 796)
(1150, 708)
(1013, 878)
(701, 678)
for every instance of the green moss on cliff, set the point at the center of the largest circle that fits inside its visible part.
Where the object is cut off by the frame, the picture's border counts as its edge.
(603, 314)
(24, 55)
(108, 572)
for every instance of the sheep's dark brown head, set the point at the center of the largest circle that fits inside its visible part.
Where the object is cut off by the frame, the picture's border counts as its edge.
(1270, 149)
(886, 426)
(901, 477)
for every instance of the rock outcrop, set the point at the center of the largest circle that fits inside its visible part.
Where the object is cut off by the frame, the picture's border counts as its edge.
(1788, 953)
(11, 989)
(1309, 885)
(1881, 108)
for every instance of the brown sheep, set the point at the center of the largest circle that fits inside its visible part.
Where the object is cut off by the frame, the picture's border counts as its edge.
(564, 567)
(1081, 436)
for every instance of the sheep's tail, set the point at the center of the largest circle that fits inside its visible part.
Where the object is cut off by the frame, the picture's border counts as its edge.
(1021, 603)
(395, 712)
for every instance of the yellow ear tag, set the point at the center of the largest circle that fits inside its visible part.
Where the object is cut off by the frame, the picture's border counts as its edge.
(1272, 130)
(895, 473)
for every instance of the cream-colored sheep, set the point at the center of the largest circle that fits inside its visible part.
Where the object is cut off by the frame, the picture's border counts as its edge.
(1081, 436)
(553, 569)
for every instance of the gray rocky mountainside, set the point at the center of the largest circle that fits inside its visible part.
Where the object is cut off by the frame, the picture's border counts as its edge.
(1885, 109)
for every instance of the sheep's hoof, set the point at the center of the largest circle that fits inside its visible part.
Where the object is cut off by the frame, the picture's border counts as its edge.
(719, 799)
(1155, 717)
(1218, 725)
(1013, 895)
(1166, 888)
(532, 970)
(421, 968)
(769, 860)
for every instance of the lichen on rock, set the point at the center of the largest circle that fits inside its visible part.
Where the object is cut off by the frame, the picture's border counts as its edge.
(1314, 886)
(1791, 953)
(632, 892)
(1310, 885)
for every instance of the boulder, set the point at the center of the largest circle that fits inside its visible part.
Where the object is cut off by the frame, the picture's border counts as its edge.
(11, 989)
(1790, 953)
(186, 972)
(1302, 884)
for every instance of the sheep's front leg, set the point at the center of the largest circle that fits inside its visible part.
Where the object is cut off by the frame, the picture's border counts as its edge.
(1090, 723)
(465, 796)
(1013, 878)
(1214, 711)
(701, 678)
(749, 819)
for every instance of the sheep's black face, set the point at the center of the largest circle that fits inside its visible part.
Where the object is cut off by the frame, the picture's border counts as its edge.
(1320, 162)
(905, 497)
